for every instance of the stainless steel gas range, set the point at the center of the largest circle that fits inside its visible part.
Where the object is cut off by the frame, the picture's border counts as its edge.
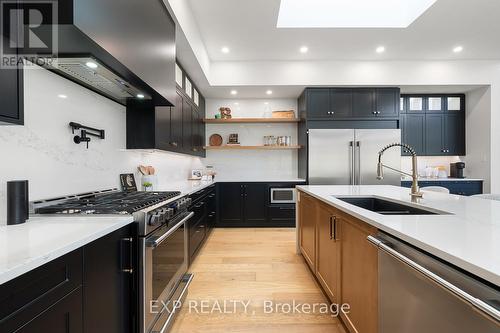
(162, 219)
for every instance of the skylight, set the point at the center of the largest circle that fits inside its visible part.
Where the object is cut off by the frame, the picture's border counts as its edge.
(350, 13)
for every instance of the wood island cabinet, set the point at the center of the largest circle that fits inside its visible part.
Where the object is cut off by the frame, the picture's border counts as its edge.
(328, 251)
(307, 236)
(359, 275)
(334, 245)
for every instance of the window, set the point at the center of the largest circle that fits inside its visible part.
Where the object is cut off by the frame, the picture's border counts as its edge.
(196, 97)
(401, 104)
(416, 103)
(189, 88)
(454, 104)
(178, 75)
(434, 104)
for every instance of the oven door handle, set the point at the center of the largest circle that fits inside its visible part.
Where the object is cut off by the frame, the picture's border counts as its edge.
(159, 240)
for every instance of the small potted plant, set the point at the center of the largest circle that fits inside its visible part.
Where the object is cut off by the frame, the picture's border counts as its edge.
(148, 186)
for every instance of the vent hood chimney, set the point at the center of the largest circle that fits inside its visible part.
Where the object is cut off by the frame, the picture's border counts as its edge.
(130, 44)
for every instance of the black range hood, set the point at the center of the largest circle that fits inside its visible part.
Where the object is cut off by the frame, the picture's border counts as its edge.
(121, 49)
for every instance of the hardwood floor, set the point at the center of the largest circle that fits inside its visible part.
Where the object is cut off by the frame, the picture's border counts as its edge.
(253, 266)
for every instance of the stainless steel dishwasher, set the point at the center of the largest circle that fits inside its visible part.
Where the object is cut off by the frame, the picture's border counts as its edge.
(419, 293)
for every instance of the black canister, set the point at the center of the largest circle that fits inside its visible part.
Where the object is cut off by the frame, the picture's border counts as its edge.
(17, 202)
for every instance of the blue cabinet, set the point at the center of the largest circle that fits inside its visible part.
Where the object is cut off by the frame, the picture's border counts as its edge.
(460, 187)
(436, 128)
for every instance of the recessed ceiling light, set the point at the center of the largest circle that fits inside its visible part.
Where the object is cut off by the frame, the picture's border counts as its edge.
(269, 92)
(380, 49)
(236, 103)
(224, 49)
(458, 49)
(91, 64)
(350, 14)
(234, 92)
(304, 49)
(140, 96)
(62, 96)
(266, 103)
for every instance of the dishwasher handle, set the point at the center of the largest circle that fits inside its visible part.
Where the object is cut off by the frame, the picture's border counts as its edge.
(473, 301)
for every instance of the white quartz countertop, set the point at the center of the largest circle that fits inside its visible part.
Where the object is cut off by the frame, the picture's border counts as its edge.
(408, 179)
(468, 237)
(42, 239)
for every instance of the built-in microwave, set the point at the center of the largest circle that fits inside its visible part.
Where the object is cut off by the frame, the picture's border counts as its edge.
(283, 195)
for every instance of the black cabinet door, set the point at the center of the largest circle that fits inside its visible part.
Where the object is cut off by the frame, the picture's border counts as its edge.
(256, 201)
(454, 134)
(231, 204)
(341, 102)
(107, 286)
(318, 100)
(363, 103)
(197, 132)
(176, 124)
(412, 131)
(65, 316)
(387, 102)
(434, 134)
(187, 127)
(162, 127)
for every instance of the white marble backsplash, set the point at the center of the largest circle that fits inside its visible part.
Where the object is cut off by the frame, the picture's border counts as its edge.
(43, 151)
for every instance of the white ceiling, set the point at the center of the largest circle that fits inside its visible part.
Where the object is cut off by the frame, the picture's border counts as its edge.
(248, 28)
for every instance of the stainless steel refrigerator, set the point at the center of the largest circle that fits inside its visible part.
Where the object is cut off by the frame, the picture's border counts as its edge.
(350, 156)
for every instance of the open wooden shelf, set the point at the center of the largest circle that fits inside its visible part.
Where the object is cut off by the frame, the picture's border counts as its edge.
(251, 120)
(228, 147)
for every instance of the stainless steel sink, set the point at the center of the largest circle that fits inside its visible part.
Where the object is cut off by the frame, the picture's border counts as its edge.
(387, 207)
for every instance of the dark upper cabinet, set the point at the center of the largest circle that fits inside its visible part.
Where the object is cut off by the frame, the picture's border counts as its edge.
(363, 103)
(11, 96)
(187, 127)
(318, 103)
(175, 142)
(351, 103)
(179, 128)
(412, 132)
(387, 102)
(11, 93)
(341, 103)
(108, 285)
(454, 134)
(440, 125)
(141, 37)
(434, 134)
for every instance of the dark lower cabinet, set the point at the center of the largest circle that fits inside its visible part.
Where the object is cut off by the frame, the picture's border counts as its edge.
(248, 205)
(255, 201)
(65, 316)
(231, 204)
(200, 225)
(460, 187)
(108, 283)
(87, 290)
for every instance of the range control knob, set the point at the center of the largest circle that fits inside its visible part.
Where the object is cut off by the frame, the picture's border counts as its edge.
(154, 219)
(169, 213)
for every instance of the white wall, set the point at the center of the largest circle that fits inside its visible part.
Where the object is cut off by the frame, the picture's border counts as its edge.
(479, 139)
(43, 151)
(252, 164)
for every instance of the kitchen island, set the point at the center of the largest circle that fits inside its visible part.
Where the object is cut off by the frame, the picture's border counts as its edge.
(354, 240)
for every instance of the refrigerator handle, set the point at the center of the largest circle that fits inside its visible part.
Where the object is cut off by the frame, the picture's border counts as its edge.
(351, 163)
(358, 163)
